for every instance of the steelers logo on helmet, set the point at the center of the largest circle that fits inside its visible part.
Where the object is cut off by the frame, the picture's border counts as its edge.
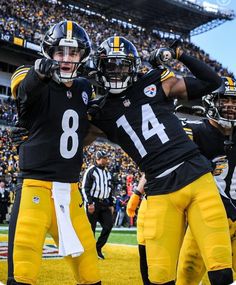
(117, 62)
(220, 105)
(69, 44)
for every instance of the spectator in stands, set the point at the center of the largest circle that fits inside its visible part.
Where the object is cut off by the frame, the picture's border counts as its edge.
(97, 193)
(121, 204)
(53, 108)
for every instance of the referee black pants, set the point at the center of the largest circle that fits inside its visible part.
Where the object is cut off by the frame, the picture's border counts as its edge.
(103, 215)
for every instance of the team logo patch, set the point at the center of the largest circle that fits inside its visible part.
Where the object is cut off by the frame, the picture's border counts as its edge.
(150, 90)
(85, 97)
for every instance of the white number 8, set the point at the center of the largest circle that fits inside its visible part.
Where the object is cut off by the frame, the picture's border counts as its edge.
(69, 132)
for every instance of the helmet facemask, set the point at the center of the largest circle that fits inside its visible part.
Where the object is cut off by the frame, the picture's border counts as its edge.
(69, 60)
(117, 72)
(221, 109)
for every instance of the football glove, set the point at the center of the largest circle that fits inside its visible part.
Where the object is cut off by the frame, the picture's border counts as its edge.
(45, 67)
(18, 136)
(132, 205)
(219, 164)
(165, 54)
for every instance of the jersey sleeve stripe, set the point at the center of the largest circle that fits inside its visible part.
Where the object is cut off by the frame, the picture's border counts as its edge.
(167, 74)
(16, 78)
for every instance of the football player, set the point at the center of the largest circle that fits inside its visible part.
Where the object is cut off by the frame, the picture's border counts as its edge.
(52, 105)
(137, 114)
(216, 138)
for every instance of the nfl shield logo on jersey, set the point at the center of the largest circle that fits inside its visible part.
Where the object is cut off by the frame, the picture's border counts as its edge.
(85, 97)
(126, 103)
(150, 90)
(69, 94)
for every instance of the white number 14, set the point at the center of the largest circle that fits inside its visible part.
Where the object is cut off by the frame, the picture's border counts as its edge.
(148, 119)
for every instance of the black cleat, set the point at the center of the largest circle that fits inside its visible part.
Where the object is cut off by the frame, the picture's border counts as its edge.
(100, 255)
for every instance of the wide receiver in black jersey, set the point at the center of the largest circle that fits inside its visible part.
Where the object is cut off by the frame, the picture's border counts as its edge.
(138, 115)
(216, 138)
(52, 105)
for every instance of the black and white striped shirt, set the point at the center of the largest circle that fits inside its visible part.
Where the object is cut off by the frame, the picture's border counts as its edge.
(96, 183)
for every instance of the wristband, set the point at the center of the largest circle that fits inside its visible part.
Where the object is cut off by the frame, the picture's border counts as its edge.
(137, 193)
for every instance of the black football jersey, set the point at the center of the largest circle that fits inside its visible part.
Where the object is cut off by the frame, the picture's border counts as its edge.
(56, 117)
(142, 122)
(212, 144)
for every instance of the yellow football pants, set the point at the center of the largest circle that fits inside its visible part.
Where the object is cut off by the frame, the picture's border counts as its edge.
(140, 221)
(191, 266)
(164, 228)
(36, 218)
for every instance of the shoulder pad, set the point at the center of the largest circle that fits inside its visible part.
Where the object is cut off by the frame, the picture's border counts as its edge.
(17, 77)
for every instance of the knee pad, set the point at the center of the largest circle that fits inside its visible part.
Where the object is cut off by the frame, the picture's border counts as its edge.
(221, 277)
(12, 281)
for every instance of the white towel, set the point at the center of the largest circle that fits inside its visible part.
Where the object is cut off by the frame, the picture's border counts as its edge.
(69, 243)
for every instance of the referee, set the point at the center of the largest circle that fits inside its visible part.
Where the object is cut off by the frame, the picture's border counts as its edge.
(97, 193)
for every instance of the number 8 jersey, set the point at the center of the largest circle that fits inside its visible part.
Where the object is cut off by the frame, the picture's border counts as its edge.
(56, 118)
(142, 122)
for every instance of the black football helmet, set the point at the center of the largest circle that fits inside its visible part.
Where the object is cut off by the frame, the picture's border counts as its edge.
(67, 37)
(220, 105)
(117, 63)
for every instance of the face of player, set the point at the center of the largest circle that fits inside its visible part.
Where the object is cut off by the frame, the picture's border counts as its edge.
(68, 58)
(227, 108)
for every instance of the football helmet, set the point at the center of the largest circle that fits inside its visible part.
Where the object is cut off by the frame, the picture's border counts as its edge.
(69, 44)
(117, 62)
(220, 105)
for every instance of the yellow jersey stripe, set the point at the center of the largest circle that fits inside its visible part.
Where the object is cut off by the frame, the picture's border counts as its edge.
(69, 27)
(16, 79)
(167, 74)
(116, 46)
(19, 71)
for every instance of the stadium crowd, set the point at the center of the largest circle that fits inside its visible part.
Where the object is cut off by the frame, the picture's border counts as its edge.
(29, 20)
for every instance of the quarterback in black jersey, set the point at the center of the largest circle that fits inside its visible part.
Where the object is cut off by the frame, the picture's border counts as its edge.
(52, 105)
(216, 138)
(137, 114)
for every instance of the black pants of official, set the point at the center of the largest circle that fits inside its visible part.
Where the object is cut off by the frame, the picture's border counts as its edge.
(103, 215)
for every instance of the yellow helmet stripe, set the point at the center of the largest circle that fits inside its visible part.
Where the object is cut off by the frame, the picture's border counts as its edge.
(69, 28)
(231, 83)
(116, 45)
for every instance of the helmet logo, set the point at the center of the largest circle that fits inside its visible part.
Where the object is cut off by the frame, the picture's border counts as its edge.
(150, 90)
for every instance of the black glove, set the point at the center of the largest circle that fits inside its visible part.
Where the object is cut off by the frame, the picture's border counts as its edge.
(163, 55)
(18, 136)
(45, 67)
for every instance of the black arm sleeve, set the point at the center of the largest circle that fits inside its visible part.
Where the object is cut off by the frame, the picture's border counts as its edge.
(206, 79)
